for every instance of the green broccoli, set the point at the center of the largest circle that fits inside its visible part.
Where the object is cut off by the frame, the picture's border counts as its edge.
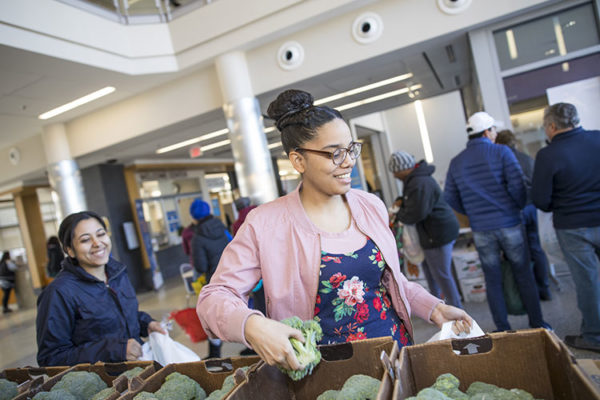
(448, 384)
(522, 394)
(81, 384)
(431, 394)
(59, 394)
(360, 387)
(8, 389)
(130, 373)
(145, 396)
(228, 384)
(307, 353)
(104, 393)
(329, 395)
(181, 387)
(486, 391)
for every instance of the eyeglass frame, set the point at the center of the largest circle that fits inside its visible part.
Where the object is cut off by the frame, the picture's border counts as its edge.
(331, 154)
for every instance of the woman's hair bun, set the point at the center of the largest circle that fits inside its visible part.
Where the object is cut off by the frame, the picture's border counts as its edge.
(289, 102)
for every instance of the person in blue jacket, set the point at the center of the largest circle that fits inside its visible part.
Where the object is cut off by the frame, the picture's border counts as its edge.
(486, 183)
(89, 312)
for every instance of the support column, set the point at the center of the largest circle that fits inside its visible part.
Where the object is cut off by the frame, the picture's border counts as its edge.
(63, 172)
(32, 232)
(487, 69)
(252, 157)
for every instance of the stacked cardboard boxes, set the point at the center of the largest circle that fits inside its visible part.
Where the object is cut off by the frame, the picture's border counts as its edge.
(468, 268)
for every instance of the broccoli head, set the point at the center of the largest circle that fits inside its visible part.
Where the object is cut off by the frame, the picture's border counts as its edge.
(181, 387)
(448, 384)
(104, 393)
(360, 387)
(8, 389)
(228, 384)
(130, 373)
(145, 396)
(59, 394)
(431, 394)
(307, 353)
(81, 384)
(329, 395)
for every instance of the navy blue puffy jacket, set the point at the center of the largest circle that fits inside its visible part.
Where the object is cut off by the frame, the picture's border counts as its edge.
(80, 319)
(485, 182)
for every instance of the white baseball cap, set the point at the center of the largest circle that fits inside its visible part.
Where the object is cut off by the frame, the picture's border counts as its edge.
(479, 122)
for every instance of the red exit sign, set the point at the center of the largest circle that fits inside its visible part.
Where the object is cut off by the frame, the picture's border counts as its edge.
(195, 151)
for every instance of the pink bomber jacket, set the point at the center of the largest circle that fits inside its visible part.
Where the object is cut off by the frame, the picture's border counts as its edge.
(279, 244)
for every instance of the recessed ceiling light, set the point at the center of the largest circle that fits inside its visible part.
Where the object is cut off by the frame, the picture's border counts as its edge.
(364, 88)
(77, 102)
(188, 142)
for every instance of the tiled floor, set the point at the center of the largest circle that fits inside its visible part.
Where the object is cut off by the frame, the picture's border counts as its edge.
(18, 343)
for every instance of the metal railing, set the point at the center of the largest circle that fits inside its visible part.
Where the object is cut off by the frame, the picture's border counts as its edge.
(138, 11)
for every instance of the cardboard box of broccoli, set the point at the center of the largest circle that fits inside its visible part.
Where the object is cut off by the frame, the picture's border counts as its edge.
(533, 360)
(100, 381)
(346, 371)
(199, 380)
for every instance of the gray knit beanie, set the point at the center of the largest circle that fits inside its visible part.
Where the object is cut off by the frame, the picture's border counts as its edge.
(400, 160)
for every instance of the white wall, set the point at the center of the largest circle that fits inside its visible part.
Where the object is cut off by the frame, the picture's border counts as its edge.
(445, 121)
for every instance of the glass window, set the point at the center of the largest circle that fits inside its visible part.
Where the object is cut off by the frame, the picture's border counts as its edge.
(550, 36)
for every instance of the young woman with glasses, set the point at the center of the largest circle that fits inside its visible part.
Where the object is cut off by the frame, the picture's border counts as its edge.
(323, 251)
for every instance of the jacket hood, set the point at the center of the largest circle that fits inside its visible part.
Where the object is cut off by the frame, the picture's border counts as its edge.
(423, 169)
(113, 269)
(210, 227)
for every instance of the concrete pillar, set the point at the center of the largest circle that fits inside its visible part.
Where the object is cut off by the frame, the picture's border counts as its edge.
(253, 164)
(490, 81)
(32, 232)
(63, 172)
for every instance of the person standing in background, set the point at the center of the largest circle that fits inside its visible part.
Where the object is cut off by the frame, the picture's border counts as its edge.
(208, 242)
(485, 182)
(423, 205)
(243, 207)
(55, 257)
(530, 220)
(566, 181)
(7, 279)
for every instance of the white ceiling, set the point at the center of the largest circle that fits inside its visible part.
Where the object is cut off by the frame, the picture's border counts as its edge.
(31, 84)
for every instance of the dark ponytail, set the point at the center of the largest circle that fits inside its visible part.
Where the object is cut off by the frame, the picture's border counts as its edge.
(297, 118)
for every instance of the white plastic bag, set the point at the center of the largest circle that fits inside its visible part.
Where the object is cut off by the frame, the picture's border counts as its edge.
(410, 244)
(447, 333)
(164, 350)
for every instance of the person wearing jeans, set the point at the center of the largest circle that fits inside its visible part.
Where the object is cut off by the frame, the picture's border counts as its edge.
(566, 182)
(423, 205)
(486, 182)
(511, 241)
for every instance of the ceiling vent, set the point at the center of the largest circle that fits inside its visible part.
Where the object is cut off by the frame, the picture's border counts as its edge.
(290, 55)
(453, 6)
(367, 28)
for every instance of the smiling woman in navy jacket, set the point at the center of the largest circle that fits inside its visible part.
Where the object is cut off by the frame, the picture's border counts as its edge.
(89, 312)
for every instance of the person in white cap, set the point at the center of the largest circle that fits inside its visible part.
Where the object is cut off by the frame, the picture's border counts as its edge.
(486, 183)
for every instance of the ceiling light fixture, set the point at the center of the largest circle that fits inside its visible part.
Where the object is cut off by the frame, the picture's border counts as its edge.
(274, 145)
(378, 97)
(188, 142)
(423, 131)
(77, 102)
(364, 88)
(216, 145)
(512, 44)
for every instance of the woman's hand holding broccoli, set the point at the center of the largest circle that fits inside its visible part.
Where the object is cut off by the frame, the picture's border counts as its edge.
(270, 340)
(443, 313)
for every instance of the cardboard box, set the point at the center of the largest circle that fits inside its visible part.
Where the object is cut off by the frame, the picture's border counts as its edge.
(108, 372)
(338, 363)
(210, 374)
(473, 290)
(467, 264)
(534, 360)
(591, 370)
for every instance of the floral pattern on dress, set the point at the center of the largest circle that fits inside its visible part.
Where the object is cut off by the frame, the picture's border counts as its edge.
(345, 305)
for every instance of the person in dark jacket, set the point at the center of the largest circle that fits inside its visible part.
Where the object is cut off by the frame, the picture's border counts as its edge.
(530, 220)
(423, 205)
(243, 205)
(7, 279)
(89, 312)
(566, 181)
(55, 256)
(485, 182)
(208, 242)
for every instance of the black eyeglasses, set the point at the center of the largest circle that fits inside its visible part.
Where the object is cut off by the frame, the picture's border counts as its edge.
(339, 155)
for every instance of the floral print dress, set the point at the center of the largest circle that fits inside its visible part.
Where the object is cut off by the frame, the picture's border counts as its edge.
(351, 302)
